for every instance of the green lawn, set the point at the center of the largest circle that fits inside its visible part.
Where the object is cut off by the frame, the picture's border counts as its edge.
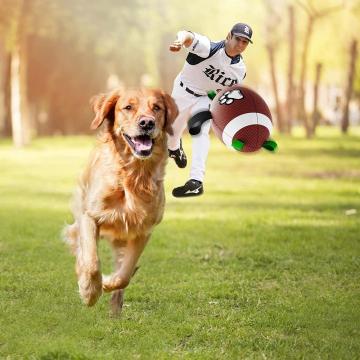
(265, 265)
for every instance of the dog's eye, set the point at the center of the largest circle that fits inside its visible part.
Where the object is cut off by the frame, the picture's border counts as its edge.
(128, 107)
(156, 108)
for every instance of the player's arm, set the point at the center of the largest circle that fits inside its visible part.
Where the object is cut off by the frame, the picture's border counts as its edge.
(183, 38)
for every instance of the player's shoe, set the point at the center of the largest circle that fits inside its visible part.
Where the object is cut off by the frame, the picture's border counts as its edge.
(191, 188)
(179, 156)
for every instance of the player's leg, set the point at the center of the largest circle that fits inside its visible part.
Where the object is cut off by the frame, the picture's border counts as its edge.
(200, 150)
(178, 128)
(175, 148)
(184, 102)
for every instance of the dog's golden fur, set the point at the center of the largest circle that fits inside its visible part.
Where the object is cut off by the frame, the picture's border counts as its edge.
(120, 194)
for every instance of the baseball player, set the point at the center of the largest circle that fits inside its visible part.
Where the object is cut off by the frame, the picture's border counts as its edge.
(210, 66)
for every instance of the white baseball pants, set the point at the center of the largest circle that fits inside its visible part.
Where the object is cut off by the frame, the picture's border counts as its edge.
(188, 106)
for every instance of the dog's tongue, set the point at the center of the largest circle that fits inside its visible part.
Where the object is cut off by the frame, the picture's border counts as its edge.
(142, 143)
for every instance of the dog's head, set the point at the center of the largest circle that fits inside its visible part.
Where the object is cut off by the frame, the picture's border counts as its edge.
(138, 116)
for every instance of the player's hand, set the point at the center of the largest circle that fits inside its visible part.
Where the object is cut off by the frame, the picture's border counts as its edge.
(175, 46)
(183, 38)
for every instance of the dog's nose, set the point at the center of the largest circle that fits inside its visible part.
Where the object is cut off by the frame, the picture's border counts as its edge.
(147, 124)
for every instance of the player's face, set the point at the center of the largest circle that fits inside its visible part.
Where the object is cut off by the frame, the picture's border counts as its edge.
(238, 44)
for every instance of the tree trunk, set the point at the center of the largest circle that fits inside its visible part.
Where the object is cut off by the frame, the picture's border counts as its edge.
(17, 115)
(5, 113)
(279, 116)
(291, 70)
(301, 101)
(7, 97)
(2, 87)
(316, 113)
(349, 87)
(21, 129)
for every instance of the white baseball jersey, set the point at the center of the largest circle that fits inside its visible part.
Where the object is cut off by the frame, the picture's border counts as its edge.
(208, 67)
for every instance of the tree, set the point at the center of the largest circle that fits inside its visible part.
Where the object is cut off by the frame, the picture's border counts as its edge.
(5, 124)
(16, 40)
(316, 112)
(272, 41)
(79, 23)
(291, 71)
(312, 16)
(350, 86)
(19, 19)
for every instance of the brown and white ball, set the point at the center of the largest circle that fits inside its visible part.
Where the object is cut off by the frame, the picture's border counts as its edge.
(241, 119)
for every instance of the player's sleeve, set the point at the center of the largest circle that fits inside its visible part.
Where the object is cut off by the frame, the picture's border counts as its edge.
(242, 74)
(200, 45)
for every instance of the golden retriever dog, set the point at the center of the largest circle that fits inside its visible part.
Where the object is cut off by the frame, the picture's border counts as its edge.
(121, 193)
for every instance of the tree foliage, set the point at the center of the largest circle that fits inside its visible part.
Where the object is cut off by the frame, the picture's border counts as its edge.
(73, 46)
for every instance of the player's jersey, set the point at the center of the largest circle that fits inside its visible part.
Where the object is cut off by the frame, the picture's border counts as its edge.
(208, 67)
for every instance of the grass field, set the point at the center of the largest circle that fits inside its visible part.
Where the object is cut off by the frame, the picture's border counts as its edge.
(265, 265)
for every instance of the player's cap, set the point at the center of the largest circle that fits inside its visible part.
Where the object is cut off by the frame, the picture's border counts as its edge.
(242, 30)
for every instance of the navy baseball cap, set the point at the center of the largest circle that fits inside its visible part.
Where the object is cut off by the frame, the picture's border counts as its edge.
(242, 30)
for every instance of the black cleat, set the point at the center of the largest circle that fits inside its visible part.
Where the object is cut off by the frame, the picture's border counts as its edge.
(191, 188)
(179, 156)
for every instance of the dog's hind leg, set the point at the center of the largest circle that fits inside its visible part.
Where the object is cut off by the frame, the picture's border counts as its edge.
(117, 296)
(116, 302)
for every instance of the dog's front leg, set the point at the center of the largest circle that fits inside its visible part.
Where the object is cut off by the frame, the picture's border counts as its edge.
(87, 261)
(131, 253)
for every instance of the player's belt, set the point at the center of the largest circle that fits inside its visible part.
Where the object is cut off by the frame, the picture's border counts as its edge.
(189, 90)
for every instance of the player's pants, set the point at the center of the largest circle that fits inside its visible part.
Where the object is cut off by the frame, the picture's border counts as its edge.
(188, 106)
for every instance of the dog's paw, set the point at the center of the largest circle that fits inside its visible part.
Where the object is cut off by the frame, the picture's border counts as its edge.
(90, 286)
(113, 282)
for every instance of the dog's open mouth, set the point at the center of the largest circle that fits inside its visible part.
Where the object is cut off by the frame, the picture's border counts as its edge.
(141, 145)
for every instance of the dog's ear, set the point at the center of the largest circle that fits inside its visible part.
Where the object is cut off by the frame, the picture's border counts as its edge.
(171, 112)
(102, 104)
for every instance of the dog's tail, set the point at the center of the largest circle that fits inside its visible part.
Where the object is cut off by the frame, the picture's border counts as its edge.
(70, 235)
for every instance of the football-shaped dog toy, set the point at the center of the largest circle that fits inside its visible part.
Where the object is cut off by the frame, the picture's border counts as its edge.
(240, 119)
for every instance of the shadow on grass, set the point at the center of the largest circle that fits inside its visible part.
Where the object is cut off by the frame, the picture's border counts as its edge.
(60, 355)
(236, 201)
(309, 226)
(339, 153)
